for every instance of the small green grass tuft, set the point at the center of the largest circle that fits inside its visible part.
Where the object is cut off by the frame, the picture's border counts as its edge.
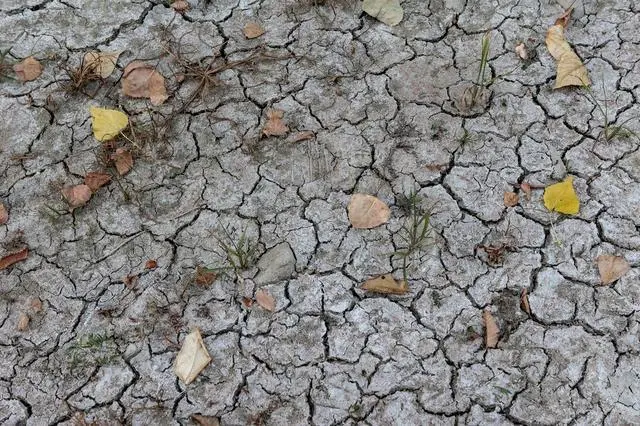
(415, 232)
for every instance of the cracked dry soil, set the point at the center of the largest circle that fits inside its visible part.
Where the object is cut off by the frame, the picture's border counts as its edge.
(389, 110)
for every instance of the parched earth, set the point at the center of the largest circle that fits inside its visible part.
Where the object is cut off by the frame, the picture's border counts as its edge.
(391, 110)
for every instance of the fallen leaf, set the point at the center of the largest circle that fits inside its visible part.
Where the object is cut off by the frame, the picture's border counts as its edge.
(366, 211)
(96, 180)
(180, 6)
(77, 196)
(143, 81)
(151, 264)
(252, 30)
(274, 125)
(205, 420)
(524, 301)
(247, 302)
(386, 11)
(123, 161)
(521, 51)
(303, 136)
(23, 322)
(130, 281)
(101, 63)
(561, 197)
(28, 69)
(36, 305)
(12, 258)
(107, 123)
(491, 329)
(192, 358)
(385, 284)
(265, 300)
(4, 214)
(205, 276)
(511, 199)
(526, 188)
(570, 69)
(612, 267)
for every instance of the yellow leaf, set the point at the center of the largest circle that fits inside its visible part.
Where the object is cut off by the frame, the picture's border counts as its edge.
(385, 284)
(571, 71)
(192, 358)
(561, 197)
(107, 123)
(387, 11)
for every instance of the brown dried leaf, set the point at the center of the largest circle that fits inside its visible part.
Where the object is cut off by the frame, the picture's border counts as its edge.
(192, 358)
(524, 301)
(123, 161)
(205, 276)
(366, 211)
(205, 420)
(96, 180)
(4, 214)
(612, 267)
(36, 305)
(252, 30)
(247, 302)
(303, 136)
(151, 264)
(143, 81)
(511, 199)
(130, 281)
(491, 330)
(526, 188)
(274, 125)
(385, 284)
(14, 257)
(265, 300)
(28, 69)
(101, 63)
(77, 196)
(23, 322)
(180, 6)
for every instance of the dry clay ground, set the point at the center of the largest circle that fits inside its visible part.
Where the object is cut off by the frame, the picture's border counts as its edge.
(390, 112)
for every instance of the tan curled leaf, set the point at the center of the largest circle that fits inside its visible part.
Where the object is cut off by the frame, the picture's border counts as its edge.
(274, 125)
(107, 123)
(570, 69)
(252, 30)
(14, 257)
(303, 136)
(35, 305)
(28, 69)
(385, 284)
(511, 199)
(77, 196)
(366, 211)
(123, 160)
(265, 300)
(205, 420)
(386, 11)
(524, 301)
(491, 330)
(101, 63)
(192, 358)
(96, 180)
(143, 81)
(4, 214)
(521, 51)
(180, 6)
(612, 267)
(23, 322)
